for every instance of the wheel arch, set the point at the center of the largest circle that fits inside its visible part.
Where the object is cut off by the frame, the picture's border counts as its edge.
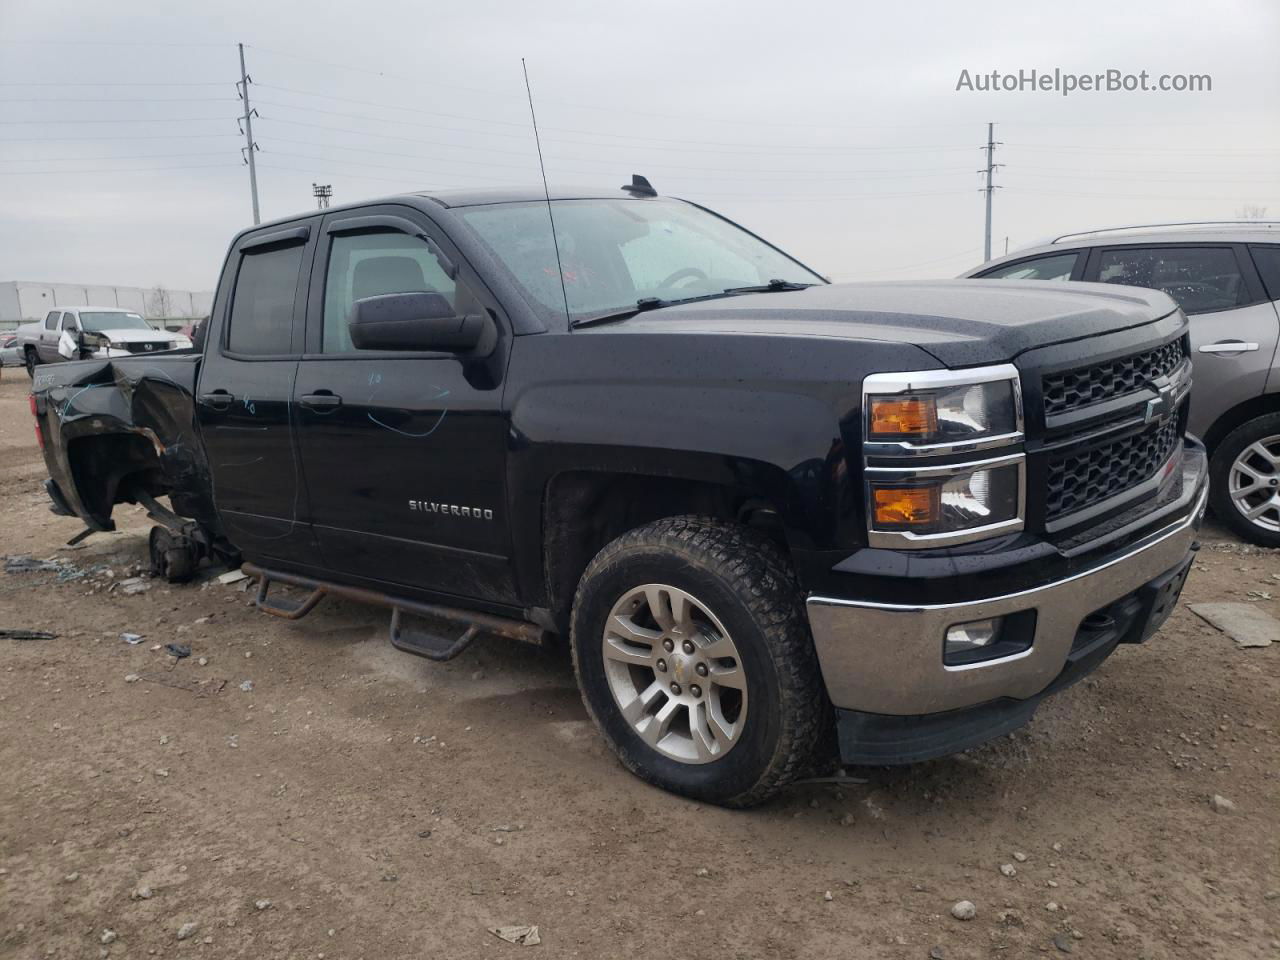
(1238, 415)
(582, 510)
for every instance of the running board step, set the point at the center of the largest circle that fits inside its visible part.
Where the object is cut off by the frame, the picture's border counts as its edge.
(429, 645)
(419, 642)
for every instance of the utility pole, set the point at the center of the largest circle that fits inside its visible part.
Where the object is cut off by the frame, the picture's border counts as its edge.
(990, 188)
(322, 192)
(250, 147)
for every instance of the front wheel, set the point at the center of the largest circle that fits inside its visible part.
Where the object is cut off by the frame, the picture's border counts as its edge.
(32, 362)
(694, 659)
(1245, 480)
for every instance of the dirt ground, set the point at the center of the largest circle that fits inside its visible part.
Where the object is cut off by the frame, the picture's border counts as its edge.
(389, 807)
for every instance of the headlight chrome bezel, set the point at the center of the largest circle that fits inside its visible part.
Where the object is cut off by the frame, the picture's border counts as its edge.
(895, 461)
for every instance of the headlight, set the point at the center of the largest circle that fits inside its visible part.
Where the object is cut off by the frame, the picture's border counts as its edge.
(912, 417)
(953, 500)
(944, 415)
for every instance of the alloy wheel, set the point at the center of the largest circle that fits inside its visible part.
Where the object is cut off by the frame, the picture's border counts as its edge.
(1254, 483)
(675, 673)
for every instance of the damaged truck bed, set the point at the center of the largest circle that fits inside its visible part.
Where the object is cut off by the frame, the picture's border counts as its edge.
(125, 431)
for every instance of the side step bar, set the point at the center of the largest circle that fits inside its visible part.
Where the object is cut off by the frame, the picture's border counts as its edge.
(418, 642)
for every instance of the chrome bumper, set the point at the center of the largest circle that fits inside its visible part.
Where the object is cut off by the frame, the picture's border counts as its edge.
(887, 658)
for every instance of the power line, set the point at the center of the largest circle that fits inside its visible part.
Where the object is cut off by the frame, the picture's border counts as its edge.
(100, 120)
(164, 136)
(117, 100)
(196, 166)
(131, 156)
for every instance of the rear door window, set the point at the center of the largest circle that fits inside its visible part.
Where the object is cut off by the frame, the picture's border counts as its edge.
(1267, 260)
(1055, 266)
(261, 319)
(1200, 279)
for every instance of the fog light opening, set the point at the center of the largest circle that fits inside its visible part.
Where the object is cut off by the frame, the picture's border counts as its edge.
(967, 641)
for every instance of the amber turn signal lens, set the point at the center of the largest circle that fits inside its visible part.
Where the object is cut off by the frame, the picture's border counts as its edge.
(906, 506)
(903, 417)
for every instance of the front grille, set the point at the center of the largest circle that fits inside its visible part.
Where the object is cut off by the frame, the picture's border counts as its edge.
(1080, 479)
(1064, 392)
(146, 346)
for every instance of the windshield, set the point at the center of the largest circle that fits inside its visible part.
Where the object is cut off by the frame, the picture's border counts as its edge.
(615, 252)
(98, 322)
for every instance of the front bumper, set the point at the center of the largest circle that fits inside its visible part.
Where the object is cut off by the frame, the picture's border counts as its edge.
(887, 658)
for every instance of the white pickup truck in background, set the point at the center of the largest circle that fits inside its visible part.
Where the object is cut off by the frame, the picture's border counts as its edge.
(75, 333)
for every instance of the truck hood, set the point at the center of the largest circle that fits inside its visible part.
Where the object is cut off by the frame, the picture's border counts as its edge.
(960, 322)
(128, 335)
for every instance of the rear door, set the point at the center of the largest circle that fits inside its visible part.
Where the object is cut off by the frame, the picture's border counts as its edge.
(244, 397)
(1234, 330)
(404, 453)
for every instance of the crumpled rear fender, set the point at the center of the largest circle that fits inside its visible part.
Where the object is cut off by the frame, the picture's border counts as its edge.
(113, 428)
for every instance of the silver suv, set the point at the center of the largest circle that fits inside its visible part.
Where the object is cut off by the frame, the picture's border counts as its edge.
(1226, 277)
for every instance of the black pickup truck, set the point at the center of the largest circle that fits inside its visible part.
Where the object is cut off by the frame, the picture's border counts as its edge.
(773, 518)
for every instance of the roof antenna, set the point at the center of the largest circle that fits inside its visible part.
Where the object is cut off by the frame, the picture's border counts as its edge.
(640, 187)
(547, 191)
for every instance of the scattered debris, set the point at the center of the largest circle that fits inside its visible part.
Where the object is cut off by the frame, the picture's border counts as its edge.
(233, 576)
(201, 688)
(1008, 870)
(702, 872)
(525, 935)
(937, 953)
(1020, 857)
(18, 633)
(162, 772)
(187, 929)
(203, 661)
(1221, 804)
(141, 893)
(262, 904)
(1052, 907)
(108, 936)
(1247, 625)
(828, 896)
(1063, 942)
(134, 585)
(25, 564)
(71, 877)
(132, 677)
(179, 650)
(133, 639)
(247, 686)
(507, 828)
(424, 834)
(964, 910)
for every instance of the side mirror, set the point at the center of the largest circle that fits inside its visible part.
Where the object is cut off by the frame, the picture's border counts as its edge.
(419, 321)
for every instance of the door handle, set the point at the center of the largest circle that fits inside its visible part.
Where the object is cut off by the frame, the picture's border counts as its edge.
(218, 399)
(1228, 346)
(322, 400)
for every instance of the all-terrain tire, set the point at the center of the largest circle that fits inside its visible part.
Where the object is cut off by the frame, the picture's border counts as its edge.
(33, 361)
(1220, 468)
(746, 583)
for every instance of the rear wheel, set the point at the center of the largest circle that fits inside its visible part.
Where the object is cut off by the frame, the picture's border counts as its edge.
(32, 362)
(695, 661)
(1245, 480)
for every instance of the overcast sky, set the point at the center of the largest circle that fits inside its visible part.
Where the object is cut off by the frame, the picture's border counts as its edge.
(835, 129)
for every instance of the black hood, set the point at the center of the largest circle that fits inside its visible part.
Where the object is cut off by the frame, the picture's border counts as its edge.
(960, 322)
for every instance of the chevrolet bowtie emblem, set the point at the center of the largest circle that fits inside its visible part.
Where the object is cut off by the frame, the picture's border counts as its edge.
(1160, 408)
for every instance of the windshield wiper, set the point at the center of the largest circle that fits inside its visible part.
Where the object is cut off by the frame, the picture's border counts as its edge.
(655, 303)
(771, 287)
(643, 304)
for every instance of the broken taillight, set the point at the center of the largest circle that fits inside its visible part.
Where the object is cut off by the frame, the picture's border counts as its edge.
(31, 398)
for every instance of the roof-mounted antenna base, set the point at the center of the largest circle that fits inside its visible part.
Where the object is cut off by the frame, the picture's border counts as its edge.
(640, 187)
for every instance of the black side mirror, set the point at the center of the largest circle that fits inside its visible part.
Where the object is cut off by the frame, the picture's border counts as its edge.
(419, 321)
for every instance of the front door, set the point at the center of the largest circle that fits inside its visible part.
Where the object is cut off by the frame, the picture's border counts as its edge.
(244, 397)
(1234, 328)
(403, 453)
